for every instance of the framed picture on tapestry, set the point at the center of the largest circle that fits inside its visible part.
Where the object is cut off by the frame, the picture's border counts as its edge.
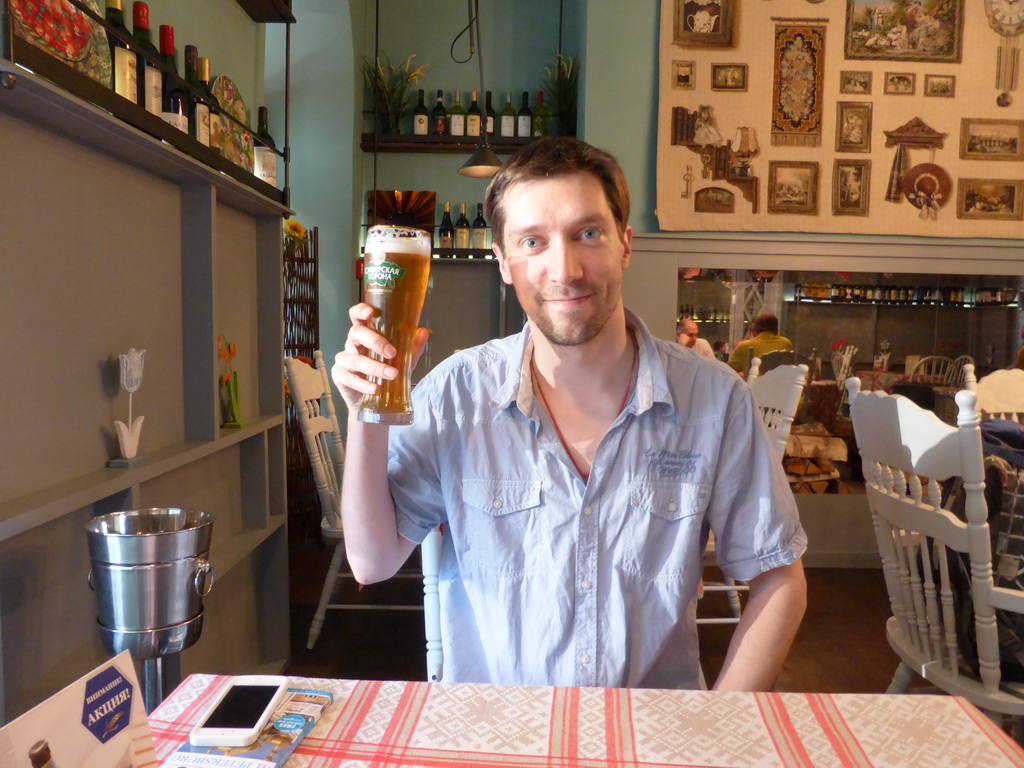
(714, 200)
(855, 82)
(703, 22)
(851, 187)
(728, 77)
(684, 76)
(983, 139)
(904, 31)
(792, 187)
(899, 84)
(853, 126)
(994, 199)
(943, 86)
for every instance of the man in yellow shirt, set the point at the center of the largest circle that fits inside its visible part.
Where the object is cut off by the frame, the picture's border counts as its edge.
(764, 338)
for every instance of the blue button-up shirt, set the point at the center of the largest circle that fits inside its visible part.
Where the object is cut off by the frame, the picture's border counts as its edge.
(546, 579)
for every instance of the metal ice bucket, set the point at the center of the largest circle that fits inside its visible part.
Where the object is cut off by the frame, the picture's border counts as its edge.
(150, 567)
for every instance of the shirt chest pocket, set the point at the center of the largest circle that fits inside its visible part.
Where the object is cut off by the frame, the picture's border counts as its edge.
(501, 529)
(664, 523)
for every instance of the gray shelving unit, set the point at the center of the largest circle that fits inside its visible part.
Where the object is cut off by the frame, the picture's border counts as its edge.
(113, 238)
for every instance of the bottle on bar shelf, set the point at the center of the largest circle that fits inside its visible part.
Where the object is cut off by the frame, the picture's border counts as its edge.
(216, 121)
(149, 76)
(479, 233)
(457, 119)
(446, 232)
(198, 112)
(439, 116)
(489, 116)
(473, 117)
(175, 104)
(121, 56)
(265, 160)
(524, 122)
(420, 118)
(507, 124)
(541, 117)
(462, 228)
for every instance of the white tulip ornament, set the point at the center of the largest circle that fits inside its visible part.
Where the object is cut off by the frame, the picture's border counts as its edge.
(131, 380)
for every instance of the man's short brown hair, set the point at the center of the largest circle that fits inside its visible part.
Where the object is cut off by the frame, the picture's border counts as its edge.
(552, 158)
(766, 322)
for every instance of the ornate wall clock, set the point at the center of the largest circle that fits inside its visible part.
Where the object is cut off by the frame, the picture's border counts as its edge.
(1006, 17)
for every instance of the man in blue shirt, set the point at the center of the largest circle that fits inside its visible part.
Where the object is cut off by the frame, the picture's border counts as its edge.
(577, 466)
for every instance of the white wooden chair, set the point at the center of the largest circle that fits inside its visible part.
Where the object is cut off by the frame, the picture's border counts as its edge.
(1000, 394)
(934, 369)
(314, 406)
(777, 395)
(907, 452)
(958, 371)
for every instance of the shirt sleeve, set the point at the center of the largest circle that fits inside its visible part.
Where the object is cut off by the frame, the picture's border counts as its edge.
(752, 510)
(413, 470)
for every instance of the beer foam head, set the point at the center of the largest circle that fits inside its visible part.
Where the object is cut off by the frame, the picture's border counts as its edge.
(398, 240)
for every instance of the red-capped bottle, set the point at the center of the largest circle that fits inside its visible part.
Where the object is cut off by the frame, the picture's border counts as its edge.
(151, 86)
(175, 101)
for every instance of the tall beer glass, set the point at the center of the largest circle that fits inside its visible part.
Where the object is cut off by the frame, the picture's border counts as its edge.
(396, 266)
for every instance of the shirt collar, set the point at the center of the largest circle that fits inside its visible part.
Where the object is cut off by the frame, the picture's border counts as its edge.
(651, 383)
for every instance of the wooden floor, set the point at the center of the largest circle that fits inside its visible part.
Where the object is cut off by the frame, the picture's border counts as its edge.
(840, 646)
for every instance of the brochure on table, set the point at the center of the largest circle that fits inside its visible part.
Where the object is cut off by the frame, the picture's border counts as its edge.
(99, 721)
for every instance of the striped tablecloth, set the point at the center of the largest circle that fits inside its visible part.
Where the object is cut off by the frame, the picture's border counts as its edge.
(423, 724)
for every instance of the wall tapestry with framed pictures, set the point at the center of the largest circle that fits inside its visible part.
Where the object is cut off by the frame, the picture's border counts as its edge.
(840, 118)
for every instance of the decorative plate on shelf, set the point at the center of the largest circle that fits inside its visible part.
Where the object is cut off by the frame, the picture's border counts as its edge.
(67, 34)
(235, 143)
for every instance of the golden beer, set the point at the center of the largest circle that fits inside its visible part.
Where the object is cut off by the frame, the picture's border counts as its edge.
(396, 266)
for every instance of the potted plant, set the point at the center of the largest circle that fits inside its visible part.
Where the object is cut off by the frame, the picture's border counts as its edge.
(389, 90)
(561, 86)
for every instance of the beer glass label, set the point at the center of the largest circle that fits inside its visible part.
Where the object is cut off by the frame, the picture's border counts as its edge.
(383, 275)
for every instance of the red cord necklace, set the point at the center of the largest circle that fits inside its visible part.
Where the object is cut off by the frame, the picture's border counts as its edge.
(551, 414)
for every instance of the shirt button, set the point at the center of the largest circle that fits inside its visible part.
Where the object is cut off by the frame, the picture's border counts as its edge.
(585, 584)
(588, 510)
(497, 503)
(672, 507)
(584, 658)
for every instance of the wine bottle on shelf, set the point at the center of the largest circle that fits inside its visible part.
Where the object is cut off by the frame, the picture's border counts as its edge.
(265, 165)
(479, 233)
(541, 117)
(198, 112)
(524, 122)
(489, 116)
(216, 121)
(457, 119)
(121, 56)
(175, 104)
(507, 124)
(473, 116)
(446, 232)
(439, 116)
(149, 76)
(462, 228)
(420, 118)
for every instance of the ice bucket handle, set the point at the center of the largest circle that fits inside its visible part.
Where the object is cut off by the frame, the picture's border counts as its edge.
(92, 587)
(204, 577)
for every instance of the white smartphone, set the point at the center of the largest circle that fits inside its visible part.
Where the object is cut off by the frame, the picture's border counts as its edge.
(238, 715)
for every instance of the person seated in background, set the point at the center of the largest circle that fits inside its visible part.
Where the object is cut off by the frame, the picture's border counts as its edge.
(687, 335)
(721, 350)
(764, 338)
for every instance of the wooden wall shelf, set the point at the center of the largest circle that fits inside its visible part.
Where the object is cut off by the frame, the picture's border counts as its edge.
(747, 185)
(370, 142)
(269, 11)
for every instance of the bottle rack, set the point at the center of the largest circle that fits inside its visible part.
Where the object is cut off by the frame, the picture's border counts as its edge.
(907, 296)
(27, 55)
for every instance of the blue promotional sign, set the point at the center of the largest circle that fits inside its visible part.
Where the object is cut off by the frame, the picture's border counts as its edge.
(107, 708)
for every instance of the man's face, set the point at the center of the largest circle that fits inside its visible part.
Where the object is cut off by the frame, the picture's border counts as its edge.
(687, 334)
(564, 256)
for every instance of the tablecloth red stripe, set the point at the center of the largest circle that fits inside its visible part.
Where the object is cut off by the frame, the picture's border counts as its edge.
(1000, 739)
(788, 745)
(848, 749)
